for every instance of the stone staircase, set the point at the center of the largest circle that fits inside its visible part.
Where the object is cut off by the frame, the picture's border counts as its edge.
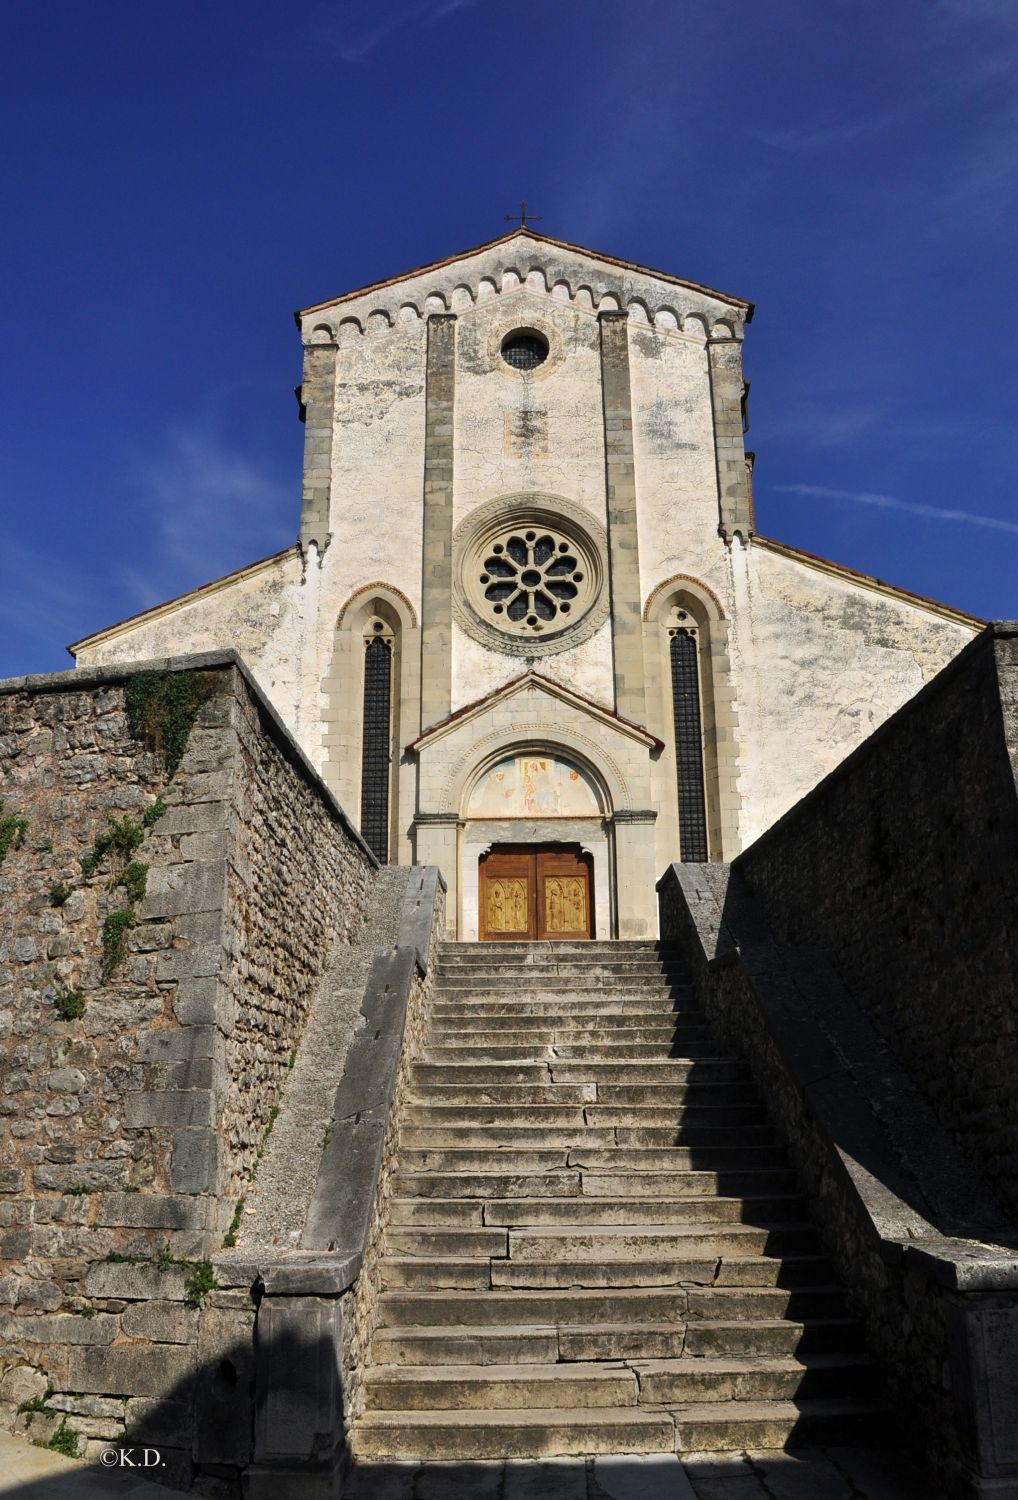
(595, 1244)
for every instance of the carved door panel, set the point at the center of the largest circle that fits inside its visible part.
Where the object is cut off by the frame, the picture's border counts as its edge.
(535, 893)
(508, 907)
(563, 895)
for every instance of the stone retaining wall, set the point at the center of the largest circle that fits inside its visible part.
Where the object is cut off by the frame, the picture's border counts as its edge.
(902, 867)
(860, 956)
(131, 1129)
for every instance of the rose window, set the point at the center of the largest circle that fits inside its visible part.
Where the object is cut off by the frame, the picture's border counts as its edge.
(532, 580)
(529, 575)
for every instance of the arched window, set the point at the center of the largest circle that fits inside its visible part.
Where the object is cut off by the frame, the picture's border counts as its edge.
(376, 738)
(692, 707)
(369, 696)
(687, 718)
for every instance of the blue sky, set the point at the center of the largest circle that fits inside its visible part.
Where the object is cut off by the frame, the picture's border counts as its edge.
(177, 179)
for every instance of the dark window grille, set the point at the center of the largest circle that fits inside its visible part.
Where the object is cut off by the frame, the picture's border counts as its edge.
(688, 748)
(524, 351)
(375, 750)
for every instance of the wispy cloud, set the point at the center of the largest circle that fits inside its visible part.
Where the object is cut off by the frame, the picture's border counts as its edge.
(211, 508)
(890, 502)
(358, 30)
(47, 601)
(821, 136)
(836, 423)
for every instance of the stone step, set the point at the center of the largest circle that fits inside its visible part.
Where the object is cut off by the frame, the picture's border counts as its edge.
(430, 1345)
(552, 975)
(466, 1435)
(771, 1238)
(469, 1387)
(730, 1103)
(775, 1338)
(467, 1273)
(564, 963)
(476, 1174)
(463, 1134)
(477, 1273)
(664, 1035)
(602, 1008)
(691, 1136)
(661, 1072)
(633, 1209)
(699, 1191)
(651, 1072)
(594, 1305)
(661, 1383)
(750, 1338)
(564, 987)
(528, 950)
(667, 1382)
(550, 972)
(600, 1139)
(654, 1240)
(734, 1426)
(764, 1271)
(428, 1243)
(671, 1093)
(580, 1052)
(437, 1344)
(528, 1094)
(737, 1253)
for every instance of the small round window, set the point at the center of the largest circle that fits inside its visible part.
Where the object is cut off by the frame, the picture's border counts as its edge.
(524, 351)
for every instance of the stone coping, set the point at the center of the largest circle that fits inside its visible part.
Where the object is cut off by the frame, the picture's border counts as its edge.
(339, 1219)
(835, 1096)
(83, 678)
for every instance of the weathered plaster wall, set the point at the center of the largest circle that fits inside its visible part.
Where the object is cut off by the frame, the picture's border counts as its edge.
(562, 451)
(673, 442)
(377, 468)
(261, 615)
(819, 661)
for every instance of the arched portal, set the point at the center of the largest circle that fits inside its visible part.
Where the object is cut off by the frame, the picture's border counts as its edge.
(534, 764)
(536, 853)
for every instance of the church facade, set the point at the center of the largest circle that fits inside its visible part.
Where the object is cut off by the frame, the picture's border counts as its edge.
(529, 632)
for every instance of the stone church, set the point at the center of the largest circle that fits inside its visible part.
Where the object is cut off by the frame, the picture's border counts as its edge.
(529, 632)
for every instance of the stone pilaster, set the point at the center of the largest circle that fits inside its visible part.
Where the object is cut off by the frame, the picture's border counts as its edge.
(623, 548)
(735, 506)
(317, 399)
(436, 582)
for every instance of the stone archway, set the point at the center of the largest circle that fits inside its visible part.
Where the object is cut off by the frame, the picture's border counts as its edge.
(536, 797)
(535, 716)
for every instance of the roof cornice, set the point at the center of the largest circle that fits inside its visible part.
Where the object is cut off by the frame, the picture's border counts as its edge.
(537, 238)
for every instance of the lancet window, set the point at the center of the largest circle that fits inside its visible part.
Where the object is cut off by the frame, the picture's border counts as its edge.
(376, 738)
(684, 657)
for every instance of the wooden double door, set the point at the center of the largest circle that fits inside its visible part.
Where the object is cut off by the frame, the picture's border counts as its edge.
(528, 892)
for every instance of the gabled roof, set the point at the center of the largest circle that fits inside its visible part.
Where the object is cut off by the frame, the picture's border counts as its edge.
(526, 234)
(531, 679)
(867, 581)
(202, 590)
